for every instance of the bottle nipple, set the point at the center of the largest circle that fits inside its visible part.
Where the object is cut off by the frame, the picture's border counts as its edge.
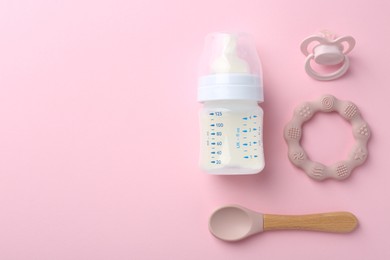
(229, 62)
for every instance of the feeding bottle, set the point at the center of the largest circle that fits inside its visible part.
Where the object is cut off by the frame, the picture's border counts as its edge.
(231, 121)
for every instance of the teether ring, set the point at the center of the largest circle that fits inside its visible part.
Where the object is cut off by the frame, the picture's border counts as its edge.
(293, 133)
(328, 51)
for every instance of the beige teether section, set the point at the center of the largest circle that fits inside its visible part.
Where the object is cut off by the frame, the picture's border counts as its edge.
(293, 133)
(233, 222)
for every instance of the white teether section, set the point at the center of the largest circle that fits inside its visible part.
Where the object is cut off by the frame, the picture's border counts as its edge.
(327, 51)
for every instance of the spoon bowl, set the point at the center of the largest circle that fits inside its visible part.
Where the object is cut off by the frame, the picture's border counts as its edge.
(232, 223)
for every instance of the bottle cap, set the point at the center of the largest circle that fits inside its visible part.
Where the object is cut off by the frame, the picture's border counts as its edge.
(230, 69)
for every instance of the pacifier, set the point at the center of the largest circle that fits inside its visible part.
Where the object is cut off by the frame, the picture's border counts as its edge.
(327, 51)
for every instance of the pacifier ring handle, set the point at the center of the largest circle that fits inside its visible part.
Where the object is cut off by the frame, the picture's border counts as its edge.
(324, 77)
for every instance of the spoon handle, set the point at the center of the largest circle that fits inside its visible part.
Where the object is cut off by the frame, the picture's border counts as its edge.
(337, 222)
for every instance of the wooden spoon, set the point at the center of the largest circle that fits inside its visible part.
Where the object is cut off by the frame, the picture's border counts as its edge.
(233, 222)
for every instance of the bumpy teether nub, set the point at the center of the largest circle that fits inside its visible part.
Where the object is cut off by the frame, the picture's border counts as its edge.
(327, 51)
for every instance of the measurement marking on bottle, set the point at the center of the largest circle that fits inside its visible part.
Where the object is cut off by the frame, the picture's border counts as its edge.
(211, 114)
(245, 151)
(254, 129)
(212, 133)
(255, 156)
(245, 131)
(213, 143)
(246, 157)
(212, 152)
(212, 125)
(245, 137)
(254, 116)
(254, 142)
(244, 144)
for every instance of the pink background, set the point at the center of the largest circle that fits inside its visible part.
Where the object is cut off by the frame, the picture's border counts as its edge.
(99, 134)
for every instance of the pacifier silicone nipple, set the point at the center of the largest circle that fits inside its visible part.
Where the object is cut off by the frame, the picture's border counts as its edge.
(328, 51)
